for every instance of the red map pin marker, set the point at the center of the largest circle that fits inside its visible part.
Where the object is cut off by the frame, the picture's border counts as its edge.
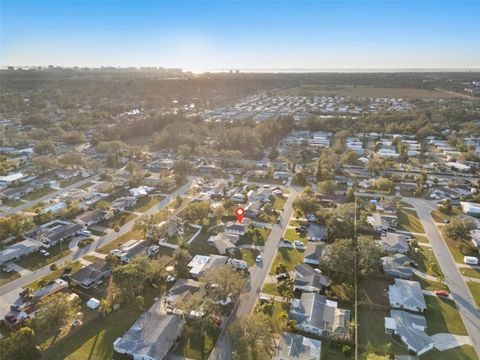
(239, 213)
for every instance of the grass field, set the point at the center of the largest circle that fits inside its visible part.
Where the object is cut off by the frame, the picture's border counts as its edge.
(292, 235)
(440, 216)
(430, 285)
(95, 339)
(459, 248)
(147, 202)
(443, 317)
(365, 91)
(426, 260)
(257, 237)
(133, 234)
(271, 289)
(200, 245)
(68, 182)
(408, 221)
(288, 257)
(278, 202)
(75, 266)
(36, 260)
(7, 277)
(193, 346)
(248, 255)
(91, 258)
(118, 219)
(464, 352)
(421, 239)
(470, 272)
(39, 193)
(475, 290)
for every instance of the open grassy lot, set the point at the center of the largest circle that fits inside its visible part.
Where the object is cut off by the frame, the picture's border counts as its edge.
(68, 182)
(193, 346)
(39, 193)
(200, 245)
(292, 235)
(256, 237)
(278, 202)
(373, 291)
(408, 221)
(91, 258)
(440, 216)
(271, 289)
(459, 248)
(365, 91)
(11, 202)
(248, 255)
(265, 181)
(443, 317)
(430, 285)
(276, 321)
(470, 272)
(464, 352)
(36, 260)
(133, 234)
(426, 260)
(118, 219)
(147, 202)
(475, 290)
(74, 266)
(288, 257)
(7, 277)
(95, 339)
(333, 351)
(421, 239)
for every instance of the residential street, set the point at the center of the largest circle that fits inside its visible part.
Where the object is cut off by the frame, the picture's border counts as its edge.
(453, 279)
(222, 350)
(9, 291)
(29, 204)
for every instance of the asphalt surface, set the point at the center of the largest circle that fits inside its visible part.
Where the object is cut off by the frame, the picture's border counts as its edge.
(9, 291)
(453, 279)
(223, 349)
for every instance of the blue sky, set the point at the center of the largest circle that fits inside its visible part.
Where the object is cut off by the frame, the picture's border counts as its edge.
(203, 35)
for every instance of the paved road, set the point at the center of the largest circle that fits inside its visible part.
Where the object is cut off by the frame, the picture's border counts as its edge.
(10, 290)
(223, 350)
(458, 289)
(29, 204)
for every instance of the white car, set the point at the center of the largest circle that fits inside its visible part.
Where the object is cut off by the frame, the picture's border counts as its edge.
(44, 253)
(170, 278)
(259, 258)
(86, 233)
(298, 244)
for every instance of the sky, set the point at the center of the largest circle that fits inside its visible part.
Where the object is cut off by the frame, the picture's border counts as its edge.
(256, 35)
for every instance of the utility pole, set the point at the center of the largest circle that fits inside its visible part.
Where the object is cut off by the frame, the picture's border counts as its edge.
(355, 268)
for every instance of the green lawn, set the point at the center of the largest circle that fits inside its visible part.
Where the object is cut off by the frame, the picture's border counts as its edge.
(421, 239)
(68, 182)
(147, 202)
(91, 258)
(443, 317)
(7, 277)
(440, 216)
(278, 308)
(133, 234)
(408, 221)
(470, 272)
(118, 219)
(265, 181)
(292, 235)
(38, 284)
(39, 193)
(200, 245)
(296, 223)
(271, 289)
(248, 255)
(373, 291)
(475, 290)
(464, 352)
(193, 346)
(257, 236)
(288, 257)
(95, 339)
(36, 260)
(430, 285)
(278, 202)
(11, 202)
(460, 248)
(333, 351)
(426, 260)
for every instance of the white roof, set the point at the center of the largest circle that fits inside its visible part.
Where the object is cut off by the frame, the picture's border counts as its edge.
(93, 303)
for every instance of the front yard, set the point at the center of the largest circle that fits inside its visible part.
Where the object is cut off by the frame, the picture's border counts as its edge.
(408, 221)
(255, 236)
(475, 290)
(133, 234)
(460, 248)
(37, 260)
(118, 219)
(39, 193)
(7, 277)
(290, 258)
(426, 260)
(193, 346)
(147, 202)
(443, 317)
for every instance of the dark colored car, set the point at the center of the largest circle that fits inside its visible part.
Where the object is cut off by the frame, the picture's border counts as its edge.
(283, 276)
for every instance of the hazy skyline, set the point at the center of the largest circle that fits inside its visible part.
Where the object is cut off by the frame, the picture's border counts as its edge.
(204, 35)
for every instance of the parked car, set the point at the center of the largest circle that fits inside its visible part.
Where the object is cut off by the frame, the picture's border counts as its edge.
(442, 293)
(264, 299)
(283, 276)
(85, 233)
(286, 241)
(298, 244)
(7, 268)
(170, 278)
(44, 253)
(259, 258)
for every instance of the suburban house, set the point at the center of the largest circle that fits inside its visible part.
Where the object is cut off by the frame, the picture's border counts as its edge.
(398, 266)
(237, 228)
(411, 329)
(9, 179)
(152, 336)
(308, 279)
(224, 242)
(123, 203)
(395, 243)
(181, 290)
(90, 275)
(24, 307)
(384, 222)
(92, 217)
(130, 250)
(19, 250)
(470, 208)
(141, 191)
(406, 294)
(201, 263)
(313, 252)
(315, 314)
(53, 232)
(261, 194)
(297, 347)
(253, 209)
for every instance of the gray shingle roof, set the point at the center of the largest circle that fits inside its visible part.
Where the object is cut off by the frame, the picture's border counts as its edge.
(407, 293)
(297, 347)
